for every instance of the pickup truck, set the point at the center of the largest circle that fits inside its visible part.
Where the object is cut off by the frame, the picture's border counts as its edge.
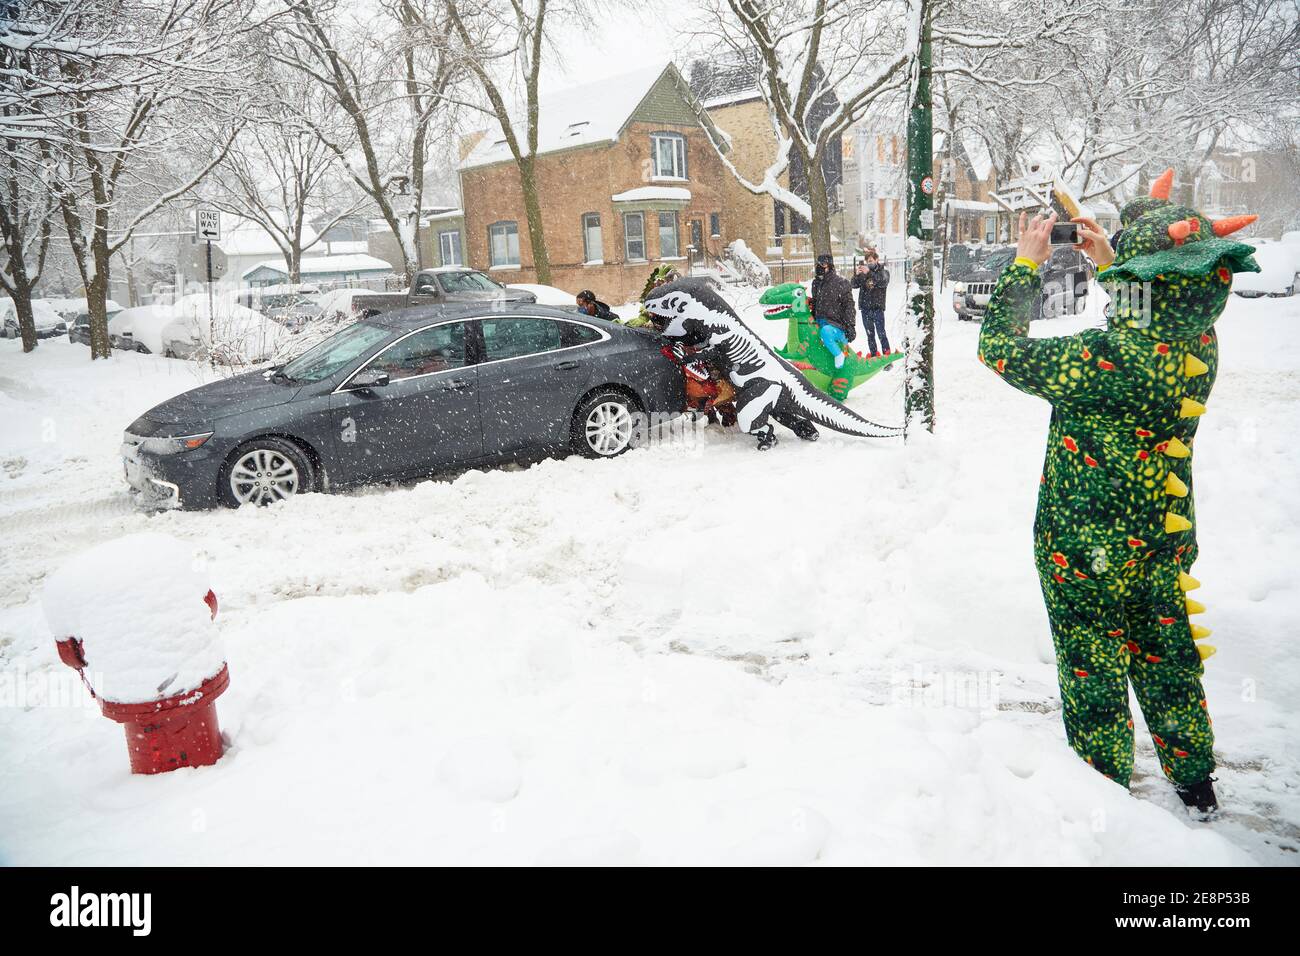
(1065, 278)
(440, 286)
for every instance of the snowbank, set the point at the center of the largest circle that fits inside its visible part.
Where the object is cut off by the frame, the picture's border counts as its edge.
(831, 653)
(136, 603)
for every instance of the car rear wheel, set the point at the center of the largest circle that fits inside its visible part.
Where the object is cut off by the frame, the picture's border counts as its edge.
(264, 471)
(605, 424)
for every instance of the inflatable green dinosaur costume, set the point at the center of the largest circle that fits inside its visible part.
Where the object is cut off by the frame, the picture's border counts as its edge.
(1115, 533)
(805, 350)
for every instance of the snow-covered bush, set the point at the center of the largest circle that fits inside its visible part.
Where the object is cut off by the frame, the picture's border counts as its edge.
(747, 265)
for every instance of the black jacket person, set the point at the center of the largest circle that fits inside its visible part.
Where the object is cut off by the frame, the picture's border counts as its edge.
(872, 283)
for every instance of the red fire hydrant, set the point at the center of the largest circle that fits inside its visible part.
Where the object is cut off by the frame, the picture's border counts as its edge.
(161, 735)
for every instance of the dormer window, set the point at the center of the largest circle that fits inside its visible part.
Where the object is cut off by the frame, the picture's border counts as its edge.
(668, 152)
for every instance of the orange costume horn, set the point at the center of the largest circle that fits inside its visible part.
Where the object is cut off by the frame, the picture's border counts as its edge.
(1160, 188)
(1231, 224)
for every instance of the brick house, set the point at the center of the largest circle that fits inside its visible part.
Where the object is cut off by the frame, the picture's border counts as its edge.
(627, 179)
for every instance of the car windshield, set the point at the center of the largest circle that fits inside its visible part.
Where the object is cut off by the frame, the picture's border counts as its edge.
(466, 282)
(337, 351)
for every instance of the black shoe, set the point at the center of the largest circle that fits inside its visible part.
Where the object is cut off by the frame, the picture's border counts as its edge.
(1198, 796)
(805, 430)
(766, 438)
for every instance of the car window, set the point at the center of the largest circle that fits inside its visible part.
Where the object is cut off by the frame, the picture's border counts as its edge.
(511, 338)
(432, 350)
(575, 334)
(467, 281)
(424, 285)
(336, 352)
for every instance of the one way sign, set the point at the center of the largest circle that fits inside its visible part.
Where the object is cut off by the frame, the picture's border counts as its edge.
(207, 224)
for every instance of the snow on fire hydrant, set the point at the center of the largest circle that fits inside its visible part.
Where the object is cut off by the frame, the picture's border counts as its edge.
(135, 617)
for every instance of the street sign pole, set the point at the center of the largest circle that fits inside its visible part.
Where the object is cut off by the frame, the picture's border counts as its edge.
(207, 227)
(211, 328)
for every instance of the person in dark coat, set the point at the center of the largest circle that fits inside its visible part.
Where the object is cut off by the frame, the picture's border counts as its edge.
(832, 308)
(588, 303)
(871, 279)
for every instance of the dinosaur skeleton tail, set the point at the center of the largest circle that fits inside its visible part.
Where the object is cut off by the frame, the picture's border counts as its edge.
(824, 410)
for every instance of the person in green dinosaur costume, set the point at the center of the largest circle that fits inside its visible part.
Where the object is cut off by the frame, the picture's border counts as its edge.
(1114, 535)
(805, 350)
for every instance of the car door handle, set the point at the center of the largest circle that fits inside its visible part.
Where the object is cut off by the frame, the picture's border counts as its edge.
(567, 366)
(457, 385)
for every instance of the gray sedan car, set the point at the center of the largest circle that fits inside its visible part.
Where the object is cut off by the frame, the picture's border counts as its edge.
(402, 396)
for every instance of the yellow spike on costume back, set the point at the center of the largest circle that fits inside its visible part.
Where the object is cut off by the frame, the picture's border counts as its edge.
(1190, 408)
(1175, 523)
(1194, 607)
(1187, 582)
(1192, 366)
(1176, 449)
(1206, 650)
(1175, 486)
(1200, 633)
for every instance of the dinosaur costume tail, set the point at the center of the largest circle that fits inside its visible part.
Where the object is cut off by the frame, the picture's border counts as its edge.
(824, 410)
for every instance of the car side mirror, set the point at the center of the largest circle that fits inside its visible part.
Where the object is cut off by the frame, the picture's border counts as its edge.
(369, 378)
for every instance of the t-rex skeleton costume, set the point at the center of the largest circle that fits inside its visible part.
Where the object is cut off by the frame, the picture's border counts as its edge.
(690, 312)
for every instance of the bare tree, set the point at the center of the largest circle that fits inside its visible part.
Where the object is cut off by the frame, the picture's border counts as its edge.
(500, 42)
(117, 90)
(279, 174)
(821, 65)
(26, 210)
(388, 71)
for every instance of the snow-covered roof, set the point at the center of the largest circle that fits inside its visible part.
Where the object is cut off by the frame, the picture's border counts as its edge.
(579, 116)
(722, 81)
(243, 237)
(449, 214)
(325, 265)
(653, 193)
(338, 247)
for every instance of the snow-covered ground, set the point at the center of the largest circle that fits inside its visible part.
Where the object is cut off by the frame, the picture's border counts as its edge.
(831, 652)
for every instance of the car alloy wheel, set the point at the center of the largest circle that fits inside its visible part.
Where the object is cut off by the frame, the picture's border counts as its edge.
(263, 475)
(608, 428)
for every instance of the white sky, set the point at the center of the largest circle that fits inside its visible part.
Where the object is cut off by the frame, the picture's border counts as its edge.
(626, 36)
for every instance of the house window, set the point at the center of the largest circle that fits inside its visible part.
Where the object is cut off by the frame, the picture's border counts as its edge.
(449, 247)
(634, 236)
(503, 244)
(591, 242)
(715, 225)
(668, 235)
(789, 222)
(669, 153)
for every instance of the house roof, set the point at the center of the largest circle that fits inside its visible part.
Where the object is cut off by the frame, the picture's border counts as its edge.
(243, 237)
(719, 82)
(325, 265)
(579, 116)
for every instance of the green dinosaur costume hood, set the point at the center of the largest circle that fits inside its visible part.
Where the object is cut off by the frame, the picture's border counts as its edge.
(1173, 267)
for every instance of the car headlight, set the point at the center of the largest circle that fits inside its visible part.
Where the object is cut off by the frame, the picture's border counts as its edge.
(959, 287)
(163, 445)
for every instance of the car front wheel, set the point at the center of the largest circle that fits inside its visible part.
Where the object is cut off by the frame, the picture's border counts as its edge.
(264, 471)
(605, 424)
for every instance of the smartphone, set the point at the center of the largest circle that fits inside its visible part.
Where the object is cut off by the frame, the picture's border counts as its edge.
(1065, 234)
